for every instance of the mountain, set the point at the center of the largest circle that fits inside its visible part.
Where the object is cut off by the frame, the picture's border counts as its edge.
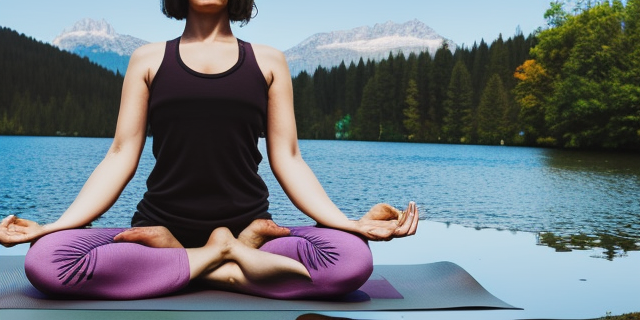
(375, 43)
(98, 41)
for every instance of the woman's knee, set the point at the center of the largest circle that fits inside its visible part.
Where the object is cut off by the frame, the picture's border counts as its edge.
(338, 261)
(59, 261)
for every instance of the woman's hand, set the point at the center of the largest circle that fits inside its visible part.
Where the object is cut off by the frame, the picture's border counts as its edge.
(14, 231)
(384, 222)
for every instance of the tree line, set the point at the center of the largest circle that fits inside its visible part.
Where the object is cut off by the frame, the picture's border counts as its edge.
(450, 96)
(46, 91)
(574, 84)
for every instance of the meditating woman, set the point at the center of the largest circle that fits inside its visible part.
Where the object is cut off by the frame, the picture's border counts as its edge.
(207, 97)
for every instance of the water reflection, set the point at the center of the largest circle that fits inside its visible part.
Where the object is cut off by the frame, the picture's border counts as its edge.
(607, 163)
(612, 246)
(608, 185)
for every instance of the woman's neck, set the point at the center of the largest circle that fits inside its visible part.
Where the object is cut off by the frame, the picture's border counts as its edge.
(207, 27)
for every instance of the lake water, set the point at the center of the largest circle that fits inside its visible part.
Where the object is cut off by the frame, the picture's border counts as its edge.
(586, 195)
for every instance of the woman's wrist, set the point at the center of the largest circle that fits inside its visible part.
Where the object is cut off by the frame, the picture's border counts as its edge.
(346, 225)
(352, 226)
(52, 227)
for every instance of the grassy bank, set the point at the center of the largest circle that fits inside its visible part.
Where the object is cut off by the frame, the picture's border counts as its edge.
(627, 316)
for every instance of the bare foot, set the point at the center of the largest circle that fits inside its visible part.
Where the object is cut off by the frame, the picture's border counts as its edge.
(156, 237)
(253, 264)
(221, 238)
(260, 231)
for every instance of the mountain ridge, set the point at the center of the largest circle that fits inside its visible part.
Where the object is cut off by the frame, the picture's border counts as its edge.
(331, 48)
(98, 41)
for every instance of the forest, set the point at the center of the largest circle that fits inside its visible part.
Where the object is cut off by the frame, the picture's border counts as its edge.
(462, 96)
(574, 83)
(46, 91)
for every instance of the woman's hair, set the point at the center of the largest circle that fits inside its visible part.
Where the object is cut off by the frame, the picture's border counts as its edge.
(239, 10)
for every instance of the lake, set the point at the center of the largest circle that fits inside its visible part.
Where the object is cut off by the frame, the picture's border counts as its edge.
(570, 198)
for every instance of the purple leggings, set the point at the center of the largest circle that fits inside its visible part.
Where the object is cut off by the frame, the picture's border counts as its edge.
(87, 263)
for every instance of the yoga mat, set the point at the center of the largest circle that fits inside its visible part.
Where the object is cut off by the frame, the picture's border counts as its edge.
(434, 286)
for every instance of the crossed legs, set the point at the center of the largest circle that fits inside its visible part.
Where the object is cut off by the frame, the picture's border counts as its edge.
(308, 263)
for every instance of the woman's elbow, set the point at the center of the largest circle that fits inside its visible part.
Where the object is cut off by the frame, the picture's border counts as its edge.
(125, 158)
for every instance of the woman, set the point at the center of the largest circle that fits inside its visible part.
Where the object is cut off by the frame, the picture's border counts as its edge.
(207, 97)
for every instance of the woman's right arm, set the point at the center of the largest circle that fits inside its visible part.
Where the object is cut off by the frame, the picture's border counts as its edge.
(110, 177)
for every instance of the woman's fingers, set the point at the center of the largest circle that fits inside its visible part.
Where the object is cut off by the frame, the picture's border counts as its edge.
(24, 222)
(416, 218)
(403, 216)
(384, 222)
(406, 226)
(21, 226)
(7, 221)
(381, 230)
(9, 235)
(14, 228)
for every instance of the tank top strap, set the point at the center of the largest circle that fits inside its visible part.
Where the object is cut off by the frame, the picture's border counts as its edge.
(249, 56)
(170, 49)
(168, 60)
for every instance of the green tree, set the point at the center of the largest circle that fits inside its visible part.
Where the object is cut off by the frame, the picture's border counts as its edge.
(367, 122)
(556, 16)
(442, 67)
(457, 122)
(492, 112)
(587, 58)
(480, 70)
(411, 112)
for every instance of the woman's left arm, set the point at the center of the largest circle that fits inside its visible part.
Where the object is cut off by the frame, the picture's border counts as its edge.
(294, 175)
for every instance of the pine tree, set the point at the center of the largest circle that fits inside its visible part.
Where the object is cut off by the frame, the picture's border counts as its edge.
(457, 122)
(367, 122)
(411, 112)
(491, 112)
(480, 71)
(442, 67)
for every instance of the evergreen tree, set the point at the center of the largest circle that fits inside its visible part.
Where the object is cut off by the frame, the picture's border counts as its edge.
(442, 67)
(458, 121)
(480, 71)
(491, 113)
(367, 122)
(426, 98)
(411, 112)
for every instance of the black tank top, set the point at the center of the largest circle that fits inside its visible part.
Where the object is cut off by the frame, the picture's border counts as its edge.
(205, 133)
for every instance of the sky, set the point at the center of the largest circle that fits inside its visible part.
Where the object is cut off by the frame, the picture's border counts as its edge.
(285, 23)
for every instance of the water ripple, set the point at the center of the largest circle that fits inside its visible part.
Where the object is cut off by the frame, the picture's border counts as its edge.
(506, 188)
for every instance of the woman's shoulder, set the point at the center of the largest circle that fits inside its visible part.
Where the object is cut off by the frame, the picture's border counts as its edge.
(149, 51)
(267, 53)
(270, 58)
(147, 59)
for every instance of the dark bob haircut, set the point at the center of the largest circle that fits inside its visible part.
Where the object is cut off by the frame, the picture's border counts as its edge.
(239, 10)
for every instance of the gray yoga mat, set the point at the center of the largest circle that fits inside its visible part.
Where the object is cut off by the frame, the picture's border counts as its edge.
(434, 286)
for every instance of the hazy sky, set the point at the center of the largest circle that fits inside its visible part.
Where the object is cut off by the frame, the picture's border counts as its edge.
(285, 23)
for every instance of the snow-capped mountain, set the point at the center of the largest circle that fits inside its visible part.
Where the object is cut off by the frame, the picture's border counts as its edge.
(98, 41)
(375, 43)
